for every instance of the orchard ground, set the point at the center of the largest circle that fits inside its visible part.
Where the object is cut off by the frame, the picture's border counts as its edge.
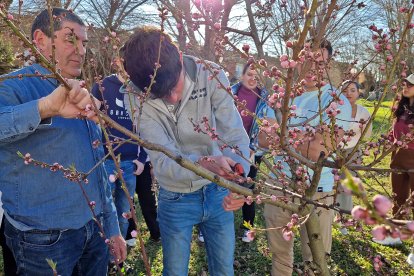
(352, 254)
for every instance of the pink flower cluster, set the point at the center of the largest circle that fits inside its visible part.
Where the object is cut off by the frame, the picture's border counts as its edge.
(287, 231)
(378, 263)
(286, 63)
(333, 110)
(382, 205)
(28, 159)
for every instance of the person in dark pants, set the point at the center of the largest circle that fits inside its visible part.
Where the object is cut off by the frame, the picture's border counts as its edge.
(9, 264)
(248, 90)
(147, 201)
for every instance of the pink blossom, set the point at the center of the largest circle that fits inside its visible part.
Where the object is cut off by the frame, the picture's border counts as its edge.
(370, 221)
(217, 26)
(292, 64)
(263, 63)
(359, 212)
(289, 44)
(250, 235)
(10, 16)
(379, 232)
(273, 198)
(246, 48)
(112, 178)
(410, 226)
(285, 64)
(403, 9)
(287, 235)
(382, 204)
(294, 218)
(134, 233)
(273, 98)
(258, 199)
(333, 105)
(283, 58)
(244, 113)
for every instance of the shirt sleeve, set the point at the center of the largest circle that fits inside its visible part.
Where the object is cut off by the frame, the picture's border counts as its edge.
(17, 120)
(228, 122)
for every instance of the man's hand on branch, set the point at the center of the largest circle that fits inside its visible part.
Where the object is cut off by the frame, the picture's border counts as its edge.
(119, 249)
(73, 103)
(233, 202)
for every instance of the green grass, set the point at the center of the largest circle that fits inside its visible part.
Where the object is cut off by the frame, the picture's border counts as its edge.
(351, 254)
(383, 117)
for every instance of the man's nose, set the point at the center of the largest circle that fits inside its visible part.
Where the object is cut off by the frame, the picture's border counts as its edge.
(81, 49)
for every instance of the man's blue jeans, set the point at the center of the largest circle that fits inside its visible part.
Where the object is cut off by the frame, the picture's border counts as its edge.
(179, 212)
(119, 196)
(75, 251)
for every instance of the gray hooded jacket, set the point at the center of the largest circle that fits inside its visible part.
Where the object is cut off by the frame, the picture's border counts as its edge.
(201, 98)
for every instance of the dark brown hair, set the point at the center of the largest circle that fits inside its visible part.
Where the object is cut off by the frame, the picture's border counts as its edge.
(324, 44)
(246, 66)
(140, 55)
(403, 107)
(346, 83)
(42, 20)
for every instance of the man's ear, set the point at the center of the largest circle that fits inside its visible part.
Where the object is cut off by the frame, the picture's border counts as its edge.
(42, 40)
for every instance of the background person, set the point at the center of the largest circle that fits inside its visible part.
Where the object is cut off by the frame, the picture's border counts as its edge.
(350, 89)
(247, 91)
(402, 158)
(307, 105)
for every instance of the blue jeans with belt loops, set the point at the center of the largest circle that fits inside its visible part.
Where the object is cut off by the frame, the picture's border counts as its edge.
(75, 251)
(179, 212)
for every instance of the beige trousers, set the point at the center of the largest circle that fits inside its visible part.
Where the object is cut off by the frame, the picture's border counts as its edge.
(282, 250)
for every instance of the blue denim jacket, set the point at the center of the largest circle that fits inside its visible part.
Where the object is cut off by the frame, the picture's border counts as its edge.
(36, 198)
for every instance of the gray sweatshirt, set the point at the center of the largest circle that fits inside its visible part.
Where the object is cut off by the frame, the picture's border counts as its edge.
(173, 130)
